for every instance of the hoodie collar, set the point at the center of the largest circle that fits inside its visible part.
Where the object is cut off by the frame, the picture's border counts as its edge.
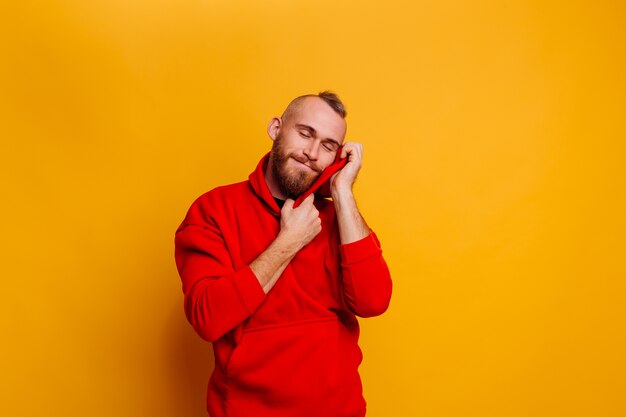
(260, 188)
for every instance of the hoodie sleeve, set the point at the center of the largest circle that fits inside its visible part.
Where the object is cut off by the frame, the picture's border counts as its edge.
(365, 276)
(217, 297)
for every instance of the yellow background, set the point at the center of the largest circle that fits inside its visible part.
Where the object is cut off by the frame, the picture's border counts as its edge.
(493, 175)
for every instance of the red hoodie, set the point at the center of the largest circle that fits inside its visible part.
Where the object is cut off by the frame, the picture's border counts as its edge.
(294, 351)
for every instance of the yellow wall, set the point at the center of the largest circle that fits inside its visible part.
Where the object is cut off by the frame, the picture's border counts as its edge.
(493, 133)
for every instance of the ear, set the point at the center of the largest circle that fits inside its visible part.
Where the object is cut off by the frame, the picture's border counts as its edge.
(274, 127)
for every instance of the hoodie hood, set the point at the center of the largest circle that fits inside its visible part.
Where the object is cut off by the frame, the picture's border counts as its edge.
(259, 185)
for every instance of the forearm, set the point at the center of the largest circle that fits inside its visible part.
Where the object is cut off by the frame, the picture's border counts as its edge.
(270, 264)
(365, 277)
(352, 226)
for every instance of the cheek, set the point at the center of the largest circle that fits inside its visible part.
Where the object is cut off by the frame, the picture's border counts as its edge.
(328, 160)
(294, 140)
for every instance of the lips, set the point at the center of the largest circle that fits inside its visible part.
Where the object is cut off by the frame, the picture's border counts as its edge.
(310, 168)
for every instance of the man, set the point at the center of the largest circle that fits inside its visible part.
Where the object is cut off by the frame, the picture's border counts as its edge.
(275, 288)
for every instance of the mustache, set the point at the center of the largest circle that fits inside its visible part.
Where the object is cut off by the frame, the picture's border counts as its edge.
(304, 161)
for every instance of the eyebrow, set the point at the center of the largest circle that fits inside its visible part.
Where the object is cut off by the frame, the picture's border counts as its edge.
(314, 132)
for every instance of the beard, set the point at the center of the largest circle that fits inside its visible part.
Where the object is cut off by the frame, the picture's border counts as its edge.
(292, 182)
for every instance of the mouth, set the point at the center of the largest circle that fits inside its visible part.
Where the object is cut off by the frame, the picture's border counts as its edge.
(302, 163)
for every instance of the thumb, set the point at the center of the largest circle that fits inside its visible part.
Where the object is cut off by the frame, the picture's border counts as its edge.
(310, 198)
(288, 203)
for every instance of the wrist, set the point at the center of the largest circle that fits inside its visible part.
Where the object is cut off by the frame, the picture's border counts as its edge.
(286, 243)
(343, 199)
(341, 193)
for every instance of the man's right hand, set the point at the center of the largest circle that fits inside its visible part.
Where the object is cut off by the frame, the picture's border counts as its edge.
(297, 228)
(302, 224)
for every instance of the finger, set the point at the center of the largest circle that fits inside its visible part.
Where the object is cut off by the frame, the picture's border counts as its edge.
(288, 203)
(344, 150)
(307, 202)
(354, 150)
(349, 149)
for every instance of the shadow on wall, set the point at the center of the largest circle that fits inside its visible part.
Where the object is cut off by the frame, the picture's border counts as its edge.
(188, 364)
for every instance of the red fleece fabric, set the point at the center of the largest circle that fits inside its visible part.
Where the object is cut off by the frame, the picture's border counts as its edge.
(321, 186)
(294, 351)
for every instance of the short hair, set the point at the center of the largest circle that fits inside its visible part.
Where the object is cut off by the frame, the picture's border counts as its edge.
(334, 102)
(328, 96)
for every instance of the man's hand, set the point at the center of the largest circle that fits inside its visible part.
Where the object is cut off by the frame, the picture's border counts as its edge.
(343, 180)
(302, 224)
(297, 228)
(352, 226)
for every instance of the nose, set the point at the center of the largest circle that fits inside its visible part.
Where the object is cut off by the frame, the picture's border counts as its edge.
(312, 150)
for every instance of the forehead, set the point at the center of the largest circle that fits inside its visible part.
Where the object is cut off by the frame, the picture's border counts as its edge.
(315, 112)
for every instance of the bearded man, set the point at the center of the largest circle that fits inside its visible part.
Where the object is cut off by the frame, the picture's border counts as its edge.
(277, 289)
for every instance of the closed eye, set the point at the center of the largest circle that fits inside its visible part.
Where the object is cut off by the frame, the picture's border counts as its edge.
(305, 134)
(330, 145)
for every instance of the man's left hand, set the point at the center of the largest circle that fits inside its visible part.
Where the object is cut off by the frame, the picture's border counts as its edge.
(343, 180)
